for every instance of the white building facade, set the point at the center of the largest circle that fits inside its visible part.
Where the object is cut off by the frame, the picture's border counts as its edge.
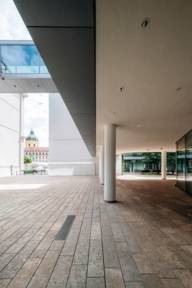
(10, 149)
(68, 154)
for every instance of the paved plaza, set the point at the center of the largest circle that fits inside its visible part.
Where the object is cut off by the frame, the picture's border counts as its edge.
(144, 240)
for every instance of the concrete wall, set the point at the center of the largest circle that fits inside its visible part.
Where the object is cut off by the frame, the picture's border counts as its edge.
(9, 133)
(68, 154)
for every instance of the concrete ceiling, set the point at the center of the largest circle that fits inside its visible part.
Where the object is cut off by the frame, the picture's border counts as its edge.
(18, 84)
(64, 33)
(153, 65)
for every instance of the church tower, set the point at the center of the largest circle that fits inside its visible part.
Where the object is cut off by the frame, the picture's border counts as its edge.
(31, 140)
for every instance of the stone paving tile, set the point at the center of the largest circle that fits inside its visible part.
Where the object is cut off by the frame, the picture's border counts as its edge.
(114, 278)
(95, 266)
(17, 262)
(151, 281)
(117, 234)
(77, 277)
(5, 259)
(142, 241)
(4, 283)
(134, 285)
(43, 274)
(187, 248)
(185, 258)
(128, 266)
(132, 240)
(70, 244)
(82, 250)
(143, 263)
(109, 248)
(57, 245)
(95, 283)
(172, 283)
(61, 272)
(23, 277)
(185, 276)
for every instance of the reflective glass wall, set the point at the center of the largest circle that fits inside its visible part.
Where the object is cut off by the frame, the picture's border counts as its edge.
(189, 162)
(184, 162)
(181, 163)
(21, 59)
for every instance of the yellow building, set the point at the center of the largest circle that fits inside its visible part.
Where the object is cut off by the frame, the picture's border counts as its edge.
(33, 151)
(31, 140)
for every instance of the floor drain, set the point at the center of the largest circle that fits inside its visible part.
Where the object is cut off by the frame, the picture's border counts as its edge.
(64, 231)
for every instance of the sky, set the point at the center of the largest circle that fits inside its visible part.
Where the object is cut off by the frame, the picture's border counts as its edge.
(36, 113)
(11, 23)
(36, 116)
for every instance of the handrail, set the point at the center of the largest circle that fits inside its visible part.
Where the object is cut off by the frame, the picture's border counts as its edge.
(30, 61)
(5, 67)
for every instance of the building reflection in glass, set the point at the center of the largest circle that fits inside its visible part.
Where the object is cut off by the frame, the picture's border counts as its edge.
(21, 59)
(184, 162)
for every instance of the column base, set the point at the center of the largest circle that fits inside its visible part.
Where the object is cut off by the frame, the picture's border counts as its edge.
(113, 201)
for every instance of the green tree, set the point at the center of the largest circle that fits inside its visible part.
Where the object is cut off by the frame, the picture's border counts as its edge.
(152, 158)
(171, 161)
(27, 160)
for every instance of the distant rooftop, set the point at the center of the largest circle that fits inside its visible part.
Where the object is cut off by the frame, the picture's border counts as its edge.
(32, 136)
(34, 149)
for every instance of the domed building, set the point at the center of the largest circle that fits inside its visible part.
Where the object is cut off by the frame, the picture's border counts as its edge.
(31, 140)
(32, 149)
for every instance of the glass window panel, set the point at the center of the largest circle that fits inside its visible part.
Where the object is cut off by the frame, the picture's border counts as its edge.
(189, 162)
(21, 59)
(181, 163)
(171, 163)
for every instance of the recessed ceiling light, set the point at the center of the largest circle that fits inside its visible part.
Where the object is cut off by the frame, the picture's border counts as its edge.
(138, 125)
(145, 23)
(179, 88)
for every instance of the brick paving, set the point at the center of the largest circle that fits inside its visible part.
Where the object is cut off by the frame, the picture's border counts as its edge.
(142, 241)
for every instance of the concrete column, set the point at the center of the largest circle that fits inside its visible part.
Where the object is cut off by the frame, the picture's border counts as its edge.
(109, 163)
(119, 165)
(101, 165)
(21, 133)
(163, 164)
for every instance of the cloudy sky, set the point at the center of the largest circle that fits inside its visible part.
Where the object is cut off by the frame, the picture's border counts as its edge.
(36, 105)
(36, 116)
(12, 26)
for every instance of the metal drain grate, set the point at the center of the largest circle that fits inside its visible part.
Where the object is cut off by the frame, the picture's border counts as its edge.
(64, 231)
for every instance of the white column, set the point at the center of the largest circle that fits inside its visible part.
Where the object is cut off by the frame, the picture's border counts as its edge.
(109, 163)
(119, 165)
(101, 165)
(21, 133)
(163, 164)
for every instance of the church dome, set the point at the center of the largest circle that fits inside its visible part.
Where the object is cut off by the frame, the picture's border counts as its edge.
(32, 136)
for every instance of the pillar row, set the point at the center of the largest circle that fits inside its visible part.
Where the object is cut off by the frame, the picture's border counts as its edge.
(109, 163)
(163, 164)
(101, 165)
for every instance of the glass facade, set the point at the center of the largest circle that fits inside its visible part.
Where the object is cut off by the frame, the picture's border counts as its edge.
(148, 162)
(21, 59)
(184, 162)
